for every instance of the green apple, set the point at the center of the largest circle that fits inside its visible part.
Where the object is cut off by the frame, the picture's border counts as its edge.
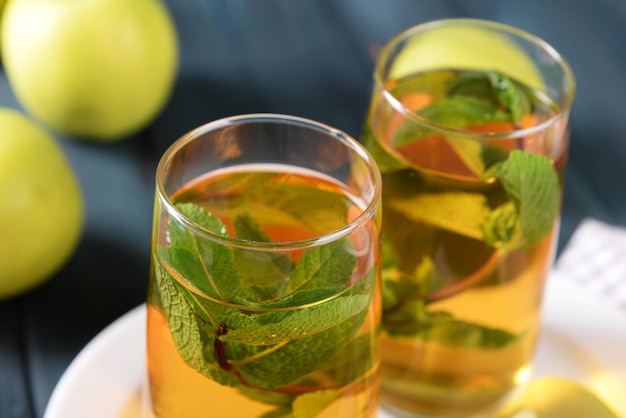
(556, 397)
(91, 69)
(2, 3)
(41, 214)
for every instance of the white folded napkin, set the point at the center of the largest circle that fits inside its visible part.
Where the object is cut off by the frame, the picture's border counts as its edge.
(595, 257)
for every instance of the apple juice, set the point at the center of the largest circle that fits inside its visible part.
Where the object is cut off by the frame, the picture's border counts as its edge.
(470, 221)
(242, 322)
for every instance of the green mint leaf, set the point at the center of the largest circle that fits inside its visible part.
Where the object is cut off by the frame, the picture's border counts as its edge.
(204, 264)
(186, 332)
(459, 212)
(448, 112)
(532, 184)
(411, 319)
(496, 89)
(424, 280)
(265, 350)
(461, 111)
(268, 397)
(263, 273)
(301, 323)
(303, 297)
(327, 266)
(501, 227)
(192, 336)
(353, 361)
(454, 112)
(285, 363)
(445, 329)
(311, 404)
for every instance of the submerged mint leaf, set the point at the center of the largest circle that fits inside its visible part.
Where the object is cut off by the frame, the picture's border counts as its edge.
(501, 227)
(185, 329)
(532, 184)
(285, 363)
(193, 337)
(496, 89)
(300, 323)
(302, 297)
(268, 397)
(246, 349)
(204, 264)
(447, 330)
(462, 111)
(449, 112)
(412, 319)
(309, 405)
(263, 272)
(454, 112)
(327, 266)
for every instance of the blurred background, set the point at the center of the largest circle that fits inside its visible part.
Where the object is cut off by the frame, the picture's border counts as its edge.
(307, 58)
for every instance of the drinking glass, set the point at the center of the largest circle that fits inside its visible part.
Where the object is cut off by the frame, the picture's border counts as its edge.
(264, 297)
(468, 122)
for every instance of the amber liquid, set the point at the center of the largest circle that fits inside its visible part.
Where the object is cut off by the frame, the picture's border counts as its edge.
(477, 284)
(265, 192)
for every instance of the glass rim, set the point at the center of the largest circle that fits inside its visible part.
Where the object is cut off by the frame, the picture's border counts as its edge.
(348, 141)
(383, 59)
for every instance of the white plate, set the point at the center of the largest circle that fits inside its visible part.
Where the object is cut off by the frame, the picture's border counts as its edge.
(583, 338)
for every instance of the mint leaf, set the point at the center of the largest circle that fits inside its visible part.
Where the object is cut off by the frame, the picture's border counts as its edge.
(462, 111)
(303, 297)
(300, 323)
(285, 363)
(311, 404)
(186, 332)
(326, 266)
(448, 112)
(204, 264)
(459, 212)
(445, 329)
(263, 273)
(532, 184)
(496, 89)
(501, 227)
(354, 361)
(411, 319)
(268, 397)
(247, 349)
(191, 335)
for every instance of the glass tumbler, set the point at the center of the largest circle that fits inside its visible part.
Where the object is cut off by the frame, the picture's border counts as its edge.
(264, 298)
(468, 122)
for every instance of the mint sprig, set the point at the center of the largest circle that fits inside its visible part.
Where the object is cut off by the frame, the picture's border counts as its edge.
(262, 353)
(532, 184)
(470, 100)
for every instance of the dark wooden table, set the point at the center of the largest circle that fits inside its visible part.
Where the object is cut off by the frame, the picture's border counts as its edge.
(307, 58)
